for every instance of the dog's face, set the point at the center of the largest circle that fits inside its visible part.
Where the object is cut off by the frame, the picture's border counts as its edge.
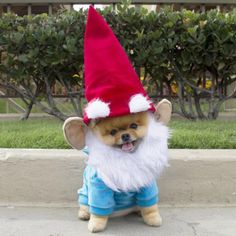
(124, 132)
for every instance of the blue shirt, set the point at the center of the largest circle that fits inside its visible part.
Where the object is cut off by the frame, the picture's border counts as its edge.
(102, 200)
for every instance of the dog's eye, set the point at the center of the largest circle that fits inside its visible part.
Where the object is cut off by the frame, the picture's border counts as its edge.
(133, 126)
(113, 132)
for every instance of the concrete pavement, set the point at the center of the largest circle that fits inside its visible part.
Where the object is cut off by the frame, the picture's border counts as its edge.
(16, 221)
(38, 177)
(48, 179)
(17, 116)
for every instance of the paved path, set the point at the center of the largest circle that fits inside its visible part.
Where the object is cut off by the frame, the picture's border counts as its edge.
(19, 221)
(17, 116)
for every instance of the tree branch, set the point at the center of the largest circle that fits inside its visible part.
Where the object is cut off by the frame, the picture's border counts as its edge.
(176, 69)
(69, 93)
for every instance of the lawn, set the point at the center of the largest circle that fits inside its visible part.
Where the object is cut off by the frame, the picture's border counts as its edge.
(203, 134)
(32, 134)
(185, 134)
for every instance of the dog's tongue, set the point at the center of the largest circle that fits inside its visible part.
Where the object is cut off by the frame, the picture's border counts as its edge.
(127, 147)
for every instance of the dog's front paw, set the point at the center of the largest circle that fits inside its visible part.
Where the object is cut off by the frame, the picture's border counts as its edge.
(83, 213)
(153, 220)
(151, 216)
(97, 223)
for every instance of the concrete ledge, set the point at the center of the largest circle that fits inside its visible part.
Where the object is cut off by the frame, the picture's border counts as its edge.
(51, 177)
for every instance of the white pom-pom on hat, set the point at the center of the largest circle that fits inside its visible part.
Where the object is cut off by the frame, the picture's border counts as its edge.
(97, 109)
(139, 103)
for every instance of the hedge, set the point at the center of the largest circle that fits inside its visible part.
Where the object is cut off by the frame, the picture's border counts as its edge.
(191, 56)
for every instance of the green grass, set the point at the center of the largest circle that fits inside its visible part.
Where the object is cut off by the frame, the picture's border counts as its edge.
(185, 134)
(2, 106)
(32, 134)
(203, 134)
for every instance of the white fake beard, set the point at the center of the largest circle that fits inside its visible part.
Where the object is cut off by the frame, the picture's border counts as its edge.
(123, 171)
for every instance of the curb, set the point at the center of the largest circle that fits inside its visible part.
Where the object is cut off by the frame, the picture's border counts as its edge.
(51, 177)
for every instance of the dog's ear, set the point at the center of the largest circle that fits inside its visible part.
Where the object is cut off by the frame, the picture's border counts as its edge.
(74, 132)
(163, 111)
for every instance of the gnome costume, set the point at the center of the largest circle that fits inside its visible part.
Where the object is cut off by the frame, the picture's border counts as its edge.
(103, 200)
(113, 89)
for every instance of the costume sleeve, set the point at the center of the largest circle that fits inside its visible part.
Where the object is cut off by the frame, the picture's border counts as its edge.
(83, 192)
(100, 197)
(147, 196)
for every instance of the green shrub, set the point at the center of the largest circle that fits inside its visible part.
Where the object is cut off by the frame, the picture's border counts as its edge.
(191, 52)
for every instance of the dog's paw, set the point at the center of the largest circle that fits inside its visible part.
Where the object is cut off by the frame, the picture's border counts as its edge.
(151, 216)
(97, 223)
(153, 220)
(83, 213)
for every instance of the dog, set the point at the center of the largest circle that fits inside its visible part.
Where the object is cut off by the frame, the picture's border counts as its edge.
(126, 155)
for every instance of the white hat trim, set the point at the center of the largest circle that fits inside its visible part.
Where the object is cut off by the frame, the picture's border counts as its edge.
(139, 103)
(97, 109)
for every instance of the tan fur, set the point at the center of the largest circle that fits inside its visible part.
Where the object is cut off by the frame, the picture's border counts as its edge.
(151, 215)
(75, 131)
(83, 213)
(163, 111)
(74, 128)
(97, 223)
(122, 124)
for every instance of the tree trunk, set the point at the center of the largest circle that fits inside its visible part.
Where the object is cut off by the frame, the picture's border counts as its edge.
(198, 106)
(182, 103)
(27, 112)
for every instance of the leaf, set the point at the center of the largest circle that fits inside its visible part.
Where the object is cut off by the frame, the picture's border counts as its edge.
(23, 58)
(17, 37)
(158, 50)
(119, 7)
(192, 31)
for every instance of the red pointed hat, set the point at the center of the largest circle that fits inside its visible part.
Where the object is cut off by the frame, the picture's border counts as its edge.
(112, 87)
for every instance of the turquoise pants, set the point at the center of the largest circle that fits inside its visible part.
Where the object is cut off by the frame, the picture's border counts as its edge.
(102, 200)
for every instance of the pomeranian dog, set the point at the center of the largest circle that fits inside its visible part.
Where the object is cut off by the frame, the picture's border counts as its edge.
(123, 132)
(126, 155)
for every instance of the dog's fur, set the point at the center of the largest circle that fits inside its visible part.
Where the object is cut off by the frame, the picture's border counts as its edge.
(122, 125)
(144, 151)
(113, 165)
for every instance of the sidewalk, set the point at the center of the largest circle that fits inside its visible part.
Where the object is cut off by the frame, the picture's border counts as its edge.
(17, 116)
(201, 184)
(63, 222)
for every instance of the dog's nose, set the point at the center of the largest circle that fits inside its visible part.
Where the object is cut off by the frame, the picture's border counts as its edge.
(125, 137)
